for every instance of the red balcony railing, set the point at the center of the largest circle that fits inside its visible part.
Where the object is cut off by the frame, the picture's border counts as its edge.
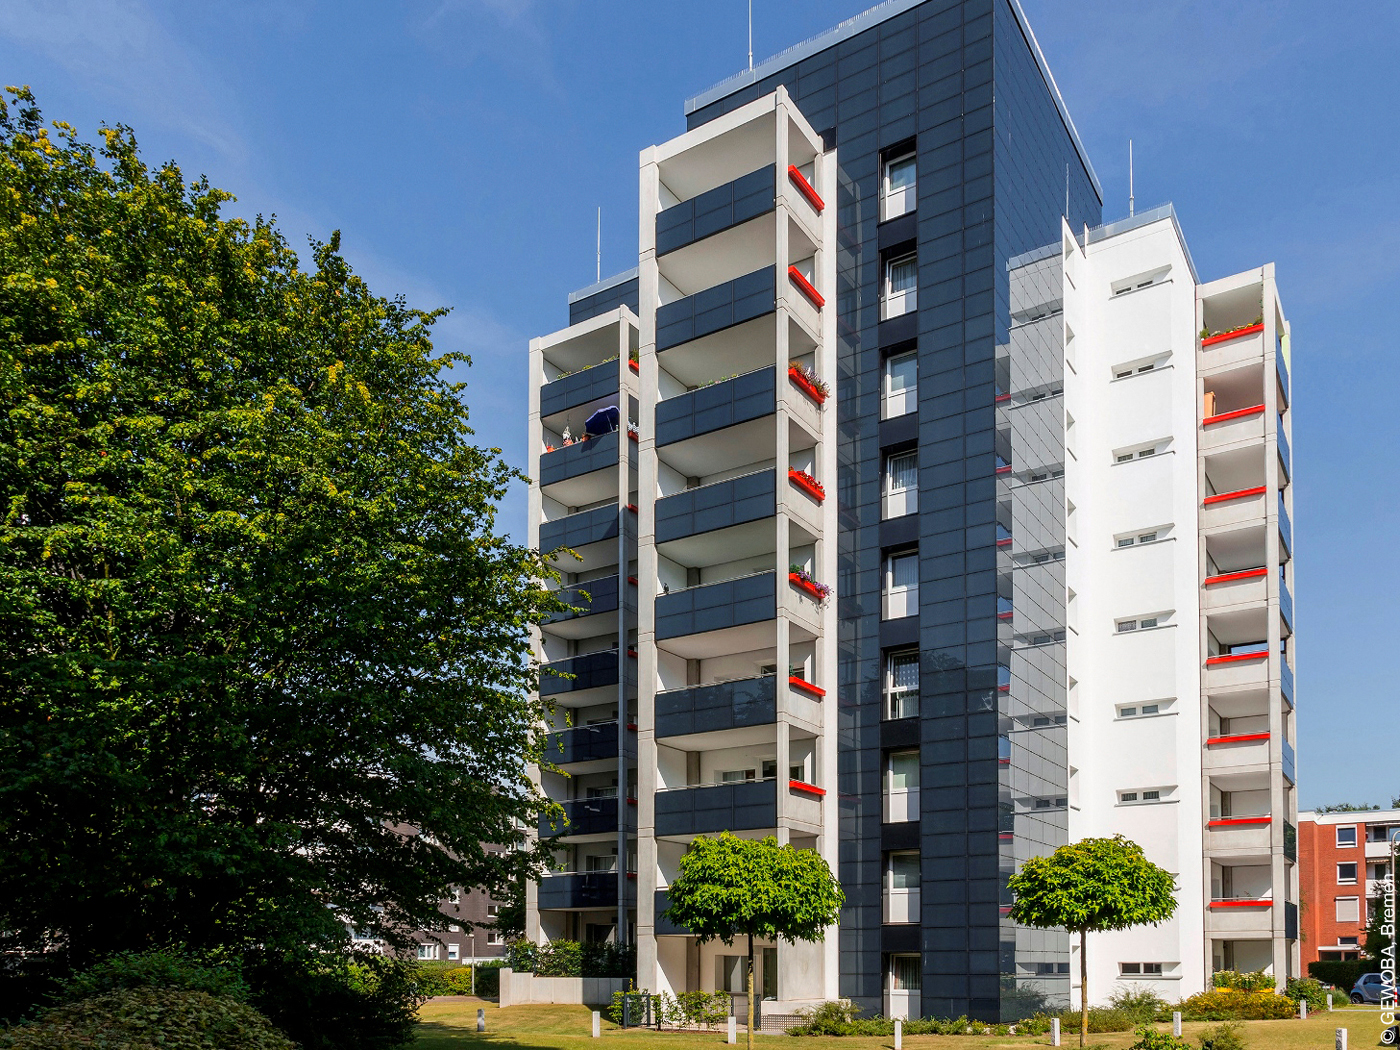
(1227, 577)
(1239, 413)
(1238, 738)
(806, 788)
(806, 287)
(1242, 902)
(806, 686)
(805, 188)
(1234, 658)
(1223, 497)
(807, 484)
(1237, 333)
(1231, 822)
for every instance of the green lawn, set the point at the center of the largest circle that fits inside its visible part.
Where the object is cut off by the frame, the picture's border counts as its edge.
(451, 1025)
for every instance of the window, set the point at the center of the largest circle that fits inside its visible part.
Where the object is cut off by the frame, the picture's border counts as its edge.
(904, 871)
(901, 287)
(427, 951)
(1150, 709)
(454, 951)
(901, 585)
(906, 974)
(1127, 712)
(1151, 796)
(903, 771)
(1346, 836)
(900, 392)
(902, 684)
(898, 189)
(730, 974)
(1127, 796)
(1125, 541)
(901, 484)
(1142, 280)
(1144, 624)
(1140, 969)
(1346, 873)
(1141, 710)
(1348, 909)
(1126, 625)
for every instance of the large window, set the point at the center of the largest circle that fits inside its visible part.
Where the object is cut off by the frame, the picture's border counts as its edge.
(904, 771)
(900, 393)
(1346, 873)
(901, 290)
(902, 787)
(898, 186)
(902, 684)
(904, 871)
(1348, 909)
(1346, 836)
(901, 585)
(901, 484)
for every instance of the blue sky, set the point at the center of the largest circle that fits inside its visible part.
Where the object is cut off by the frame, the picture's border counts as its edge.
(462, 146)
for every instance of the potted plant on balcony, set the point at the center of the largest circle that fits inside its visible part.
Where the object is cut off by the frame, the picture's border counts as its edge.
(800, 576)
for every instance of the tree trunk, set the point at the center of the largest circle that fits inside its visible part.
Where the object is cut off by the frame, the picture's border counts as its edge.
(1083, 988)
(750, 1040)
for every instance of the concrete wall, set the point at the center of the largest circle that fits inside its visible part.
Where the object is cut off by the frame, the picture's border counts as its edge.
(518, 989)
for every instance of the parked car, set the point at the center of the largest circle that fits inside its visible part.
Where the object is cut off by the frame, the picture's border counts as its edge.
(1369, 988)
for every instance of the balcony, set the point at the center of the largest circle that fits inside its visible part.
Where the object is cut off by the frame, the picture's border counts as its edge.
(1237, 915)
(718, 606)
(584, 472)
(580, 388)
(1289, 762)
(688, 427)
(591, 534)
(1249, 832)
(1290, 842)
(589, 601)
(1243, 586)
(665, 927)
(723, 505)
(716, 210)
(1285, 454)
(587, 816)
(590, 671)
(1229, 428)
(589, 743)
(567, 891)
(712, 708)
(1237, 669)
(1285, 683)
(1285, 526)
(744, 806)
(716, 309)
(1233, 750)
(1285, 603)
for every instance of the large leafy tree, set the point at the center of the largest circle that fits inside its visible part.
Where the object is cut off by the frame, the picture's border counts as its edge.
(256, 615)
(1090, 886)
(730, 887)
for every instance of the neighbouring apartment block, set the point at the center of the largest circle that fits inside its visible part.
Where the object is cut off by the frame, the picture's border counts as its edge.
(1342, 857)
(920, 519)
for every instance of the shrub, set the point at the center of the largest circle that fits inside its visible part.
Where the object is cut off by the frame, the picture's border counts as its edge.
(149, 1018)
(522, 956)
(636, 1006)
(169, 968)
(572, 959)
(1230, 1004)
(1141, 1004)
(1342, 973)
(1306, 989)
(1223, 1037)
(362, 1001)
(560, 959)
(1101, 1019)
(433, 980)
(1257, 981)
(1150, 1038)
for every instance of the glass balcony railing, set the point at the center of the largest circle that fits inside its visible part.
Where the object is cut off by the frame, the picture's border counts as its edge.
(1285, 453)
(1285, 525)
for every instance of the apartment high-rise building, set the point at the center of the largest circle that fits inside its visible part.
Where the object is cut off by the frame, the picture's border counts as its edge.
(918, 525)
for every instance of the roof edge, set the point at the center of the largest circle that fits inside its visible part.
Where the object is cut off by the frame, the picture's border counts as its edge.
(603, 285)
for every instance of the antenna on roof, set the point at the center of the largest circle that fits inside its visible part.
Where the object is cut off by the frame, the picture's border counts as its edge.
(750, 35)
(599, 267)
(1130, 178)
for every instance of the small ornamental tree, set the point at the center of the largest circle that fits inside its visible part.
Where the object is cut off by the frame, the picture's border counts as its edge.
(731, 887)
(1092, 885)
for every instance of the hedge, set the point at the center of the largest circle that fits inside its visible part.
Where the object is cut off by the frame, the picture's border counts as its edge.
(1341, 973)
(1233, 1004)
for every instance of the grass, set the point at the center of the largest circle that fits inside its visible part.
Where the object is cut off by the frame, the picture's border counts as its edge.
(450, 1024)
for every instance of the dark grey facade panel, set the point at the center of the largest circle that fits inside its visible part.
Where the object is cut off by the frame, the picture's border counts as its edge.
(587, 816)
(587, 599)
(625, 294)
(744, 806)
(581, 529)
(584, 457)
(585, 744)
(720, 505)
(589, 671)
(716, 606)
(584, 889)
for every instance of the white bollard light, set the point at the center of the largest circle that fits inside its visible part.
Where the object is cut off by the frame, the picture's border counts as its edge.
(1303, 1009)
(480, 1020)
(597, 1025)
(1176, 1023)
(1341, 1039)
(898, 1034)
(733, 1031)
(1329, 1002)
(1054, 1031)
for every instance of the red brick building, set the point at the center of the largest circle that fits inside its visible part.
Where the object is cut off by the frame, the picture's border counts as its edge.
(1340, 858)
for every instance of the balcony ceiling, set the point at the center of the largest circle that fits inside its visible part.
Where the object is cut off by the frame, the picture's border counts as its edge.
(722, 158)
(1238, 549)
(586, 343)
(722, 450)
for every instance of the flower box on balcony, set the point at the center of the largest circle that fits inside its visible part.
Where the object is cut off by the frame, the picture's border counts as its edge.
(1234, 333)
(634, 366)
(1239, 413)
(803, 786)
(807, 687)
(806, 287)
(1227, 577)
(1234, 658)
(1239, 738)
(1223, 497)
(1231, 822)
(807, 484)
(805, 188)
(816, 591)
(808, 383)
(1242, 904)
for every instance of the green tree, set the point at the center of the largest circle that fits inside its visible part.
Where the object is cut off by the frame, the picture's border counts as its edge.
(255, 611)
(731, 887)
(1090, 886)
